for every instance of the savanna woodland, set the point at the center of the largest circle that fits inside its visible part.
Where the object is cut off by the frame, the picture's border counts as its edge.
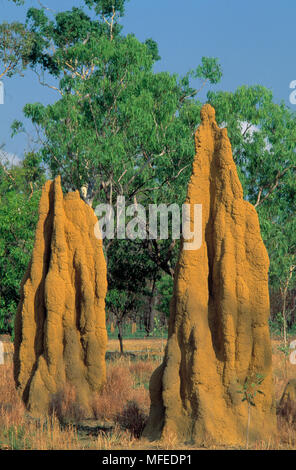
(117, 128)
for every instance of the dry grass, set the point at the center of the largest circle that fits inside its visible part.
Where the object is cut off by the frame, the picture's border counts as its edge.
(123, 402)
(149, 345)
(120, 389)
(18, 431)
(283, 370)
(11, 407)
(142, 371)
(64, 405)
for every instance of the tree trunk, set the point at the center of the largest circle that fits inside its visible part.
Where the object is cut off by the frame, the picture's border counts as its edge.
(119, 326)
(284, 293)
(284, 317)
(149, 324)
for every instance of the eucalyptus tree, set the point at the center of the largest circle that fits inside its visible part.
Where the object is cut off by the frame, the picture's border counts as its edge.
(117, 128)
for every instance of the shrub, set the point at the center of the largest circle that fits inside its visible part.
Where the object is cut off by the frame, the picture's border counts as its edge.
(64, 405)
(132, 418)
(114, 394)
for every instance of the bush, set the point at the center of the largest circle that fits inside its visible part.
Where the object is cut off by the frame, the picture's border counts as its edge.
(133, 419)
(114, 394)
(64, 405)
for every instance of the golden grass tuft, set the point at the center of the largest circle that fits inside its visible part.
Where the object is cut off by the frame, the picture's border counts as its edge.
(64, 405)
(12, 409)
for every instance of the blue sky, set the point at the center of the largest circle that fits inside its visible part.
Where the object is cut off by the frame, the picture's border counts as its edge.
(253, 40)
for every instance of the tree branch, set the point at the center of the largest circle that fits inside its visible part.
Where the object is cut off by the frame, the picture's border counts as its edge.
(272, 187)
(46, 84)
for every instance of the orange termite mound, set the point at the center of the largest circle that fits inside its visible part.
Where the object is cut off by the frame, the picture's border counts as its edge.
(219, 342)
(60, 331)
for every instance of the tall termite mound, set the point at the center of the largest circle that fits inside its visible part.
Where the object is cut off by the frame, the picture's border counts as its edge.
(218, 343)
(60, 331)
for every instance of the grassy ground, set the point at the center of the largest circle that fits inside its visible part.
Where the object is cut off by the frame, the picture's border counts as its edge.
(121, 409)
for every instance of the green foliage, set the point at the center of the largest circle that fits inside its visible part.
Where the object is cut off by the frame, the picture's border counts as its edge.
(18, 218)
(285, 349)
(159, 328)
(118, 127)
(19, 198)
(165, 289)
(153, 49)
(209, 69)
(121, 301)
(129, 266)
(15, 47)
(250, 388)
(276, 324)
(107, 7)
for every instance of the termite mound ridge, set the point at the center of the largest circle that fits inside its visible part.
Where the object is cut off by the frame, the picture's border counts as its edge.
(219, 339)
(60, 331)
